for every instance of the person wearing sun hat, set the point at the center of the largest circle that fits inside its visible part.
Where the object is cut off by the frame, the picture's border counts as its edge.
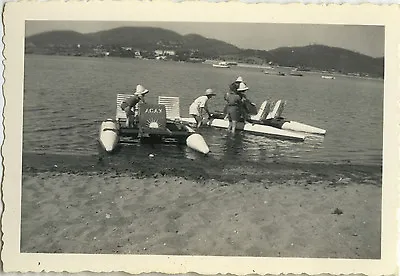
(200, 106)
(232, 89)
(247, 108)
(242, 87)
(130, 104)
(232, 109)
(234, 85)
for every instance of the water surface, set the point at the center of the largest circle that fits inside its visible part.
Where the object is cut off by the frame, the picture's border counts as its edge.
(66, 98)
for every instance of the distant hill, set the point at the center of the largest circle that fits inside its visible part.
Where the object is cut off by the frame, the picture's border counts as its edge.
(318, 57)
(58, 37)
(206, 45)
(136, 37)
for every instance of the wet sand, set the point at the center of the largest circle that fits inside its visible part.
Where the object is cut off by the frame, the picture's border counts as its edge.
(160, 205)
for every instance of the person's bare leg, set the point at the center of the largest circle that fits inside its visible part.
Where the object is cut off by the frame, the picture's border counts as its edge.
(131, 120)
(198, 120)
(233, 126)
(128, 120)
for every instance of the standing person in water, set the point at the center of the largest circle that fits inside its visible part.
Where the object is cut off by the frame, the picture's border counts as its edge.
(130, 105)
(233, 109)
(200, 106)
(232, 89)
(247, 108)
(244, 111)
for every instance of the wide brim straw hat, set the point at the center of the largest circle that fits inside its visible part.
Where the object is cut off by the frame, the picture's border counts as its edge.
(140, 90)
(210, 92)
(242, 87)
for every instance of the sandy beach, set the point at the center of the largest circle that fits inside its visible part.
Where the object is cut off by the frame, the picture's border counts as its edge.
(143, 205)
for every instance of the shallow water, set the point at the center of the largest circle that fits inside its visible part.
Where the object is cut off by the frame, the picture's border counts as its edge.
(66, 98)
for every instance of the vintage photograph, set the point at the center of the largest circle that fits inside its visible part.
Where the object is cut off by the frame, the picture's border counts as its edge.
(217, 139)
(176, 138)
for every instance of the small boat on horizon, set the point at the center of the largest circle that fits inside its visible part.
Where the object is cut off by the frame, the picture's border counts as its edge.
(274, 73)
(221, 64)
(296, 74)
(328, 77)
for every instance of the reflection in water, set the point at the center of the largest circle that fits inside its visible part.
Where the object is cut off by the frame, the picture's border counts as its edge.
(243, 145)
(233, 146)
(225, 146)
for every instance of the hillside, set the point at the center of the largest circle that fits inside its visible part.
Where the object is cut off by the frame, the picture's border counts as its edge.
(320, 56)
(135, 37)
(58, 38)
(148, 39)
(206, 45)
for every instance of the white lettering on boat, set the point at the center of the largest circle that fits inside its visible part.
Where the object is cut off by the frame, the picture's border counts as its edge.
(153, 110)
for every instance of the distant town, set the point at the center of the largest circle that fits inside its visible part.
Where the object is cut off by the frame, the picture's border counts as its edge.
(193, 55)
(160, 44)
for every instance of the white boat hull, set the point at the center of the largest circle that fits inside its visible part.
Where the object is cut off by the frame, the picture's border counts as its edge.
(220, 66)
(300, 127)
(255, 129)
(108, 136)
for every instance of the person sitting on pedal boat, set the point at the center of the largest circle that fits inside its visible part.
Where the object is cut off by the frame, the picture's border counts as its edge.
(200, 106)
(130, 105)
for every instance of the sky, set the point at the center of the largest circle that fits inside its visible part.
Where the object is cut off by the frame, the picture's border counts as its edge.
(368, 40)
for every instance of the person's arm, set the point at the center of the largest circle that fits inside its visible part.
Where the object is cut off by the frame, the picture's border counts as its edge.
(204, 107)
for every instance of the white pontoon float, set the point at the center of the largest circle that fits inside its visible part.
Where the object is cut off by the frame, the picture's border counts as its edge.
(267, 122)
(266, 116)
(172, 105)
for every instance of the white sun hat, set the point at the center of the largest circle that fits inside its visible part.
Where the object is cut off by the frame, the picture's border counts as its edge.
(239, 79)
(210, 92)
(140, 90)
(242, 87)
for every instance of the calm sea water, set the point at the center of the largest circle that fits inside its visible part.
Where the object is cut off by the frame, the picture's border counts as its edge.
(66, 98)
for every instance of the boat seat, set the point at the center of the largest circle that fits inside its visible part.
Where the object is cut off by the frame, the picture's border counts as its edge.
(171, 106)
(264, 109)
(280, 109)
(277, 111)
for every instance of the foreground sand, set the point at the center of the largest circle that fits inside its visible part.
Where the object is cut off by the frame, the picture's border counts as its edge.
(281, 210)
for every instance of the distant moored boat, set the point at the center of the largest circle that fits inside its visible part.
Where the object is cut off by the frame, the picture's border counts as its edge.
(222, 64)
